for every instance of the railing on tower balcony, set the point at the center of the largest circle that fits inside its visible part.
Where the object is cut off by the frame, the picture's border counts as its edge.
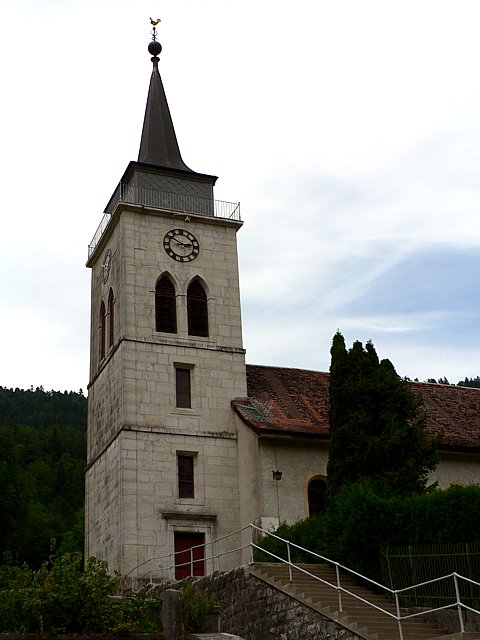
(167, 201)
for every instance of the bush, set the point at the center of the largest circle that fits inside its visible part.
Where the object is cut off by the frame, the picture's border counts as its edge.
(308, 533)
(357, 522)
(197, 606)
(360, 521)
(138, 613)
(61, 597)
(15, 583)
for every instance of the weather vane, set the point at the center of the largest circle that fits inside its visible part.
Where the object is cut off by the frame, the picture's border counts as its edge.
(154, 24)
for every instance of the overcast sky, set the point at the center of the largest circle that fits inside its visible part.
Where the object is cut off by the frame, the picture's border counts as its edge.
(349, 131)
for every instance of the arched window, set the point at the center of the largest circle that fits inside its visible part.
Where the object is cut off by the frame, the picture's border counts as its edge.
(197, 310)
(111, 319)
(101, 331)
(165, 306)
(317, 489)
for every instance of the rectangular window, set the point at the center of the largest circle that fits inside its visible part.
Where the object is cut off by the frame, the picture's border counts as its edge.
(186, 488)
(183, 388)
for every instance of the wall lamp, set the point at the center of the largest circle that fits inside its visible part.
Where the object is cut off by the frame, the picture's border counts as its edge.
(277, 475)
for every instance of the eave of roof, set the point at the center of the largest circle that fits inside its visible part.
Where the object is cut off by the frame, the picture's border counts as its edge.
(295, 401)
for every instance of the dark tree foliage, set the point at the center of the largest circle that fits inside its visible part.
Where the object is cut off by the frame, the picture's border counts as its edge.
(377, 428)
(42, 460)
(359, 523)
(439, 381)
(40, 408)
(470, 382)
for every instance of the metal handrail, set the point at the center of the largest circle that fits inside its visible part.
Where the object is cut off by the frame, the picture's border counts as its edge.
(166, 201)
(323, 558)
(395, 593)
(215, 556)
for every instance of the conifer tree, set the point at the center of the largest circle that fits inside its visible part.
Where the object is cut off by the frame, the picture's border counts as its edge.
(377, 428)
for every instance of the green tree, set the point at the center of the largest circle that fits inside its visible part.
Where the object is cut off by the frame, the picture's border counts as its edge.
(42, 460)
(470, 382)
(14, 496)
(377, 428)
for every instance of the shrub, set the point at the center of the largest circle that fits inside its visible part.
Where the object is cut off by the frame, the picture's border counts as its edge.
(138, 613)
(357, 521)
(360, 521)
(61, 596)
(197, 606)
(15, 584)
(308, 533)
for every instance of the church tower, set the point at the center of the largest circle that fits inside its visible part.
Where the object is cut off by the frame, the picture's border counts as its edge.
(166, 360)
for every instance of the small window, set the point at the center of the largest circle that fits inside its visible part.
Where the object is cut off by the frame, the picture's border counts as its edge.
(317, 489)
(183, 388)
(165, 306)
(101, 331)
(111, 319)
(186, 485)
(197, 310)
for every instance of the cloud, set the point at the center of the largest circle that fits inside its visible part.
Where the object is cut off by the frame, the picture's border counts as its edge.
(349, 131)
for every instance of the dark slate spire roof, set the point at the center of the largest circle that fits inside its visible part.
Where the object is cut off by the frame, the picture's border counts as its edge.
(159, 144)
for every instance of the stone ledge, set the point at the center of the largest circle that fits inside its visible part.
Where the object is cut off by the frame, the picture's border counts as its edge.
(182, 515)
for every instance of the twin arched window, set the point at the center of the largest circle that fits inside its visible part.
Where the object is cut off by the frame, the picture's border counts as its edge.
(111, 319)
(166, 308)
(197, 312)
(101, 329)
(102, 325)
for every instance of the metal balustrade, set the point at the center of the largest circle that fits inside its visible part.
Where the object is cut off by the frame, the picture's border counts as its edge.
(166, 201)
(165, 564)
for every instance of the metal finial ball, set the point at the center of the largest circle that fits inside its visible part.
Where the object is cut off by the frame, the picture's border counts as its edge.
(154, 48)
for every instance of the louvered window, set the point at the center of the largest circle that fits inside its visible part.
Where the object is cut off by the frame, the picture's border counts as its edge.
(197, 310)
(101, 331)
(165, 306)
(182, 388)
(111, 319)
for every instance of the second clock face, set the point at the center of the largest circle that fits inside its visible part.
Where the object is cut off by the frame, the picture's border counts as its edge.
(106, 266)
(181, 245)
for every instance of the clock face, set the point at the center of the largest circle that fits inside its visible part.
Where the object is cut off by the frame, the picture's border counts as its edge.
(181, 245)
(107, 263)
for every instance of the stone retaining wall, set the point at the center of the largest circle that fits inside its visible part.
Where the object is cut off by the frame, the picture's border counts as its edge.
(449, 621)
(255, 611)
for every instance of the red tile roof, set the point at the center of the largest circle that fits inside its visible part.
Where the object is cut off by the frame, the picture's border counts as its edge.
(296, 401)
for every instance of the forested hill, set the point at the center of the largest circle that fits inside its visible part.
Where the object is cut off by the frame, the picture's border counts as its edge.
(42, 408)
(42, 461)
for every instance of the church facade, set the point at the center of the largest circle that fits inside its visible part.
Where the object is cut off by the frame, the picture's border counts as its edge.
(186, 443)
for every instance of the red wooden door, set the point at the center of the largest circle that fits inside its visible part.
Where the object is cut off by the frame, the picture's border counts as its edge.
(189, 561)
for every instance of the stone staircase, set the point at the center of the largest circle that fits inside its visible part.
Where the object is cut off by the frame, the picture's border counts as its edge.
(363, 620)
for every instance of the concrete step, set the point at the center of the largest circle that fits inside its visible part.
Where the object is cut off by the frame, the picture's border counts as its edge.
(215, 636)
(357, 616)
(466, 635)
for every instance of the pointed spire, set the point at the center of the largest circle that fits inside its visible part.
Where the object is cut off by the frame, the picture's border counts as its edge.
(159, 144)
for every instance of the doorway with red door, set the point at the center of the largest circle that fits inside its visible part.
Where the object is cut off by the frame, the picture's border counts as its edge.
(189, 554)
